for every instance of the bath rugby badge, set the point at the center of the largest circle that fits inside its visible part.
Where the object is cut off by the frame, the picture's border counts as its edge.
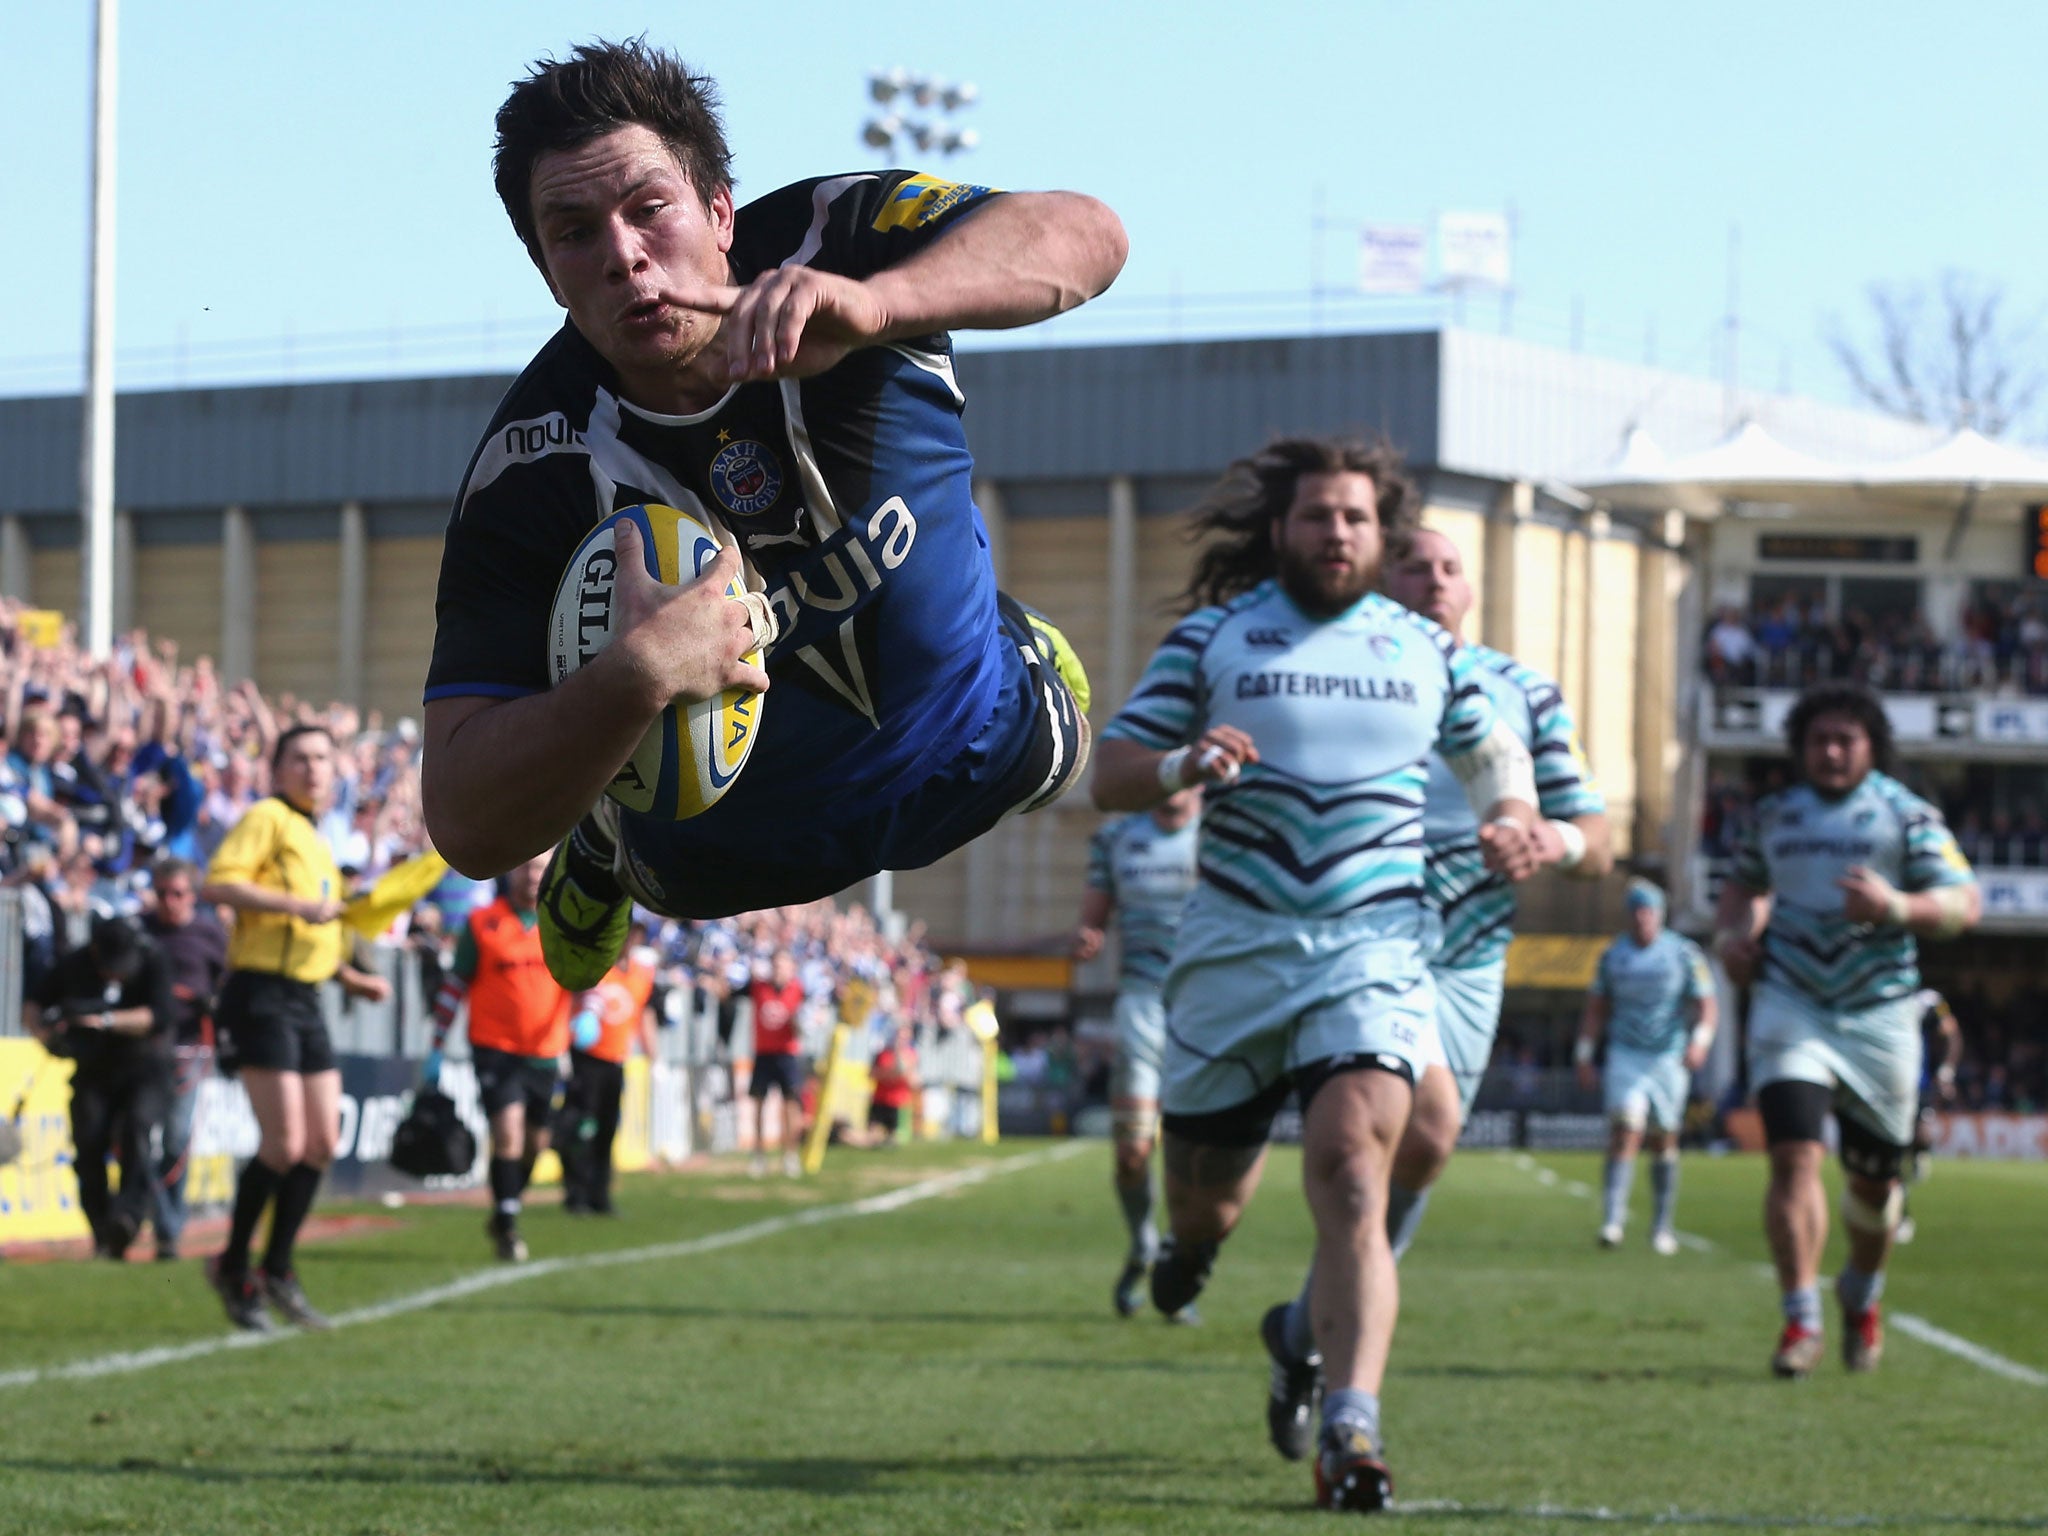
(1386, 647)
(745, 478)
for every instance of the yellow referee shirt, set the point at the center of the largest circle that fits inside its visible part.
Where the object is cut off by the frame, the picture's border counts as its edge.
(277, 848)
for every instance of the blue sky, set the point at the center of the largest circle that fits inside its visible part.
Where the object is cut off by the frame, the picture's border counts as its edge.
(305, 190)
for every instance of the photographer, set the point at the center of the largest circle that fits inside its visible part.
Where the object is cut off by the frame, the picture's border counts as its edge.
(194, 947)
(108, 1006)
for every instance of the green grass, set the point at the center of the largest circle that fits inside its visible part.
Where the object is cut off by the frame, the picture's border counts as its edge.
(953, 1366)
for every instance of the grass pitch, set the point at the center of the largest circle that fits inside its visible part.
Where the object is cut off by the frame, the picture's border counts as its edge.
(946, 1361)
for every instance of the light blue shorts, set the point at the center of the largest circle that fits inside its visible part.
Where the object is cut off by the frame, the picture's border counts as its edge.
(1870, 1057)
(1467, 1019)
(1140, 1044)
(1644, 1088)
(1255, 996)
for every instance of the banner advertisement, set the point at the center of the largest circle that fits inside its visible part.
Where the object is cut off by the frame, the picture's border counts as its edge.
(39, 1192)
(2018, 1138)
(1392, 258)
(2012, 720)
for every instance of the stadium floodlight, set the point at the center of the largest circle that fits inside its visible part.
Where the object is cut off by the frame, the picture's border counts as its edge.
(925, 134)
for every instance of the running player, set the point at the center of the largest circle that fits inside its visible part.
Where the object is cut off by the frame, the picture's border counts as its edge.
(1653, 998)
(1475, 911)
(785, 368)
(1475, 906)
(1141, 870)
(1833, 882)
(1306, 705)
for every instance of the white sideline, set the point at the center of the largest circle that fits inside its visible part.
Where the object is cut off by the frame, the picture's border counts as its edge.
(1600, 1514)
(492, 1279)
(1916, 1327)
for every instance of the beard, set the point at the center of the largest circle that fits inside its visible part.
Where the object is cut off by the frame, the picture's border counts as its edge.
(1317, 591)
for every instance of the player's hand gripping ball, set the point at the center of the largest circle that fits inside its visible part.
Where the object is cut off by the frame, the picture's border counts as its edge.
(693, 752)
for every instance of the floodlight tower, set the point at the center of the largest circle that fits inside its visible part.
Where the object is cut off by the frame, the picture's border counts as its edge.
(96, 449)
(897, 93)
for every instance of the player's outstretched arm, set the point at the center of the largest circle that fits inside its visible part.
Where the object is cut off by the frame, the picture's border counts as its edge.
(1096, 905)
(1021, 258)
(1129, 776)
(1592, 1024)
(1739, 920)
(505, 779)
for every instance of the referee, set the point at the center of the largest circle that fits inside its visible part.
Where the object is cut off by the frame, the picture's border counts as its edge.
(278, 874)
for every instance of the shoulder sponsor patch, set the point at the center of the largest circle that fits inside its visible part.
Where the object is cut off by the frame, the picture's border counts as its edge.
(922, 199)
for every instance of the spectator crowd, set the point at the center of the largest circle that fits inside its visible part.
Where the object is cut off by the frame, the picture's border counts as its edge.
(1793, 641)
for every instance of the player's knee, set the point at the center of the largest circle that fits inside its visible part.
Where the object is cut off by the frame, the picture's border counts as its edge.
(1133, 1159)
(1863, 1210)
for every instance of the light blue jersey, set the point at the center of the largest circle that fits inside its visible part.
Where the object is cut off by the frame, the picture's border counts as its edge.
(1648, 988)
(1345, 713)
(1148, 872)
(1477, 907)
(1799, 847)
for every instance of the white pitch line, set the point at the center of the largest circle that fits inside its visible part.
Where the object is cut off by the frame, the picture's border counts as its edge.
(1976, 1354)
(1916, 1327)
(493, 1279)
(1600, 1514)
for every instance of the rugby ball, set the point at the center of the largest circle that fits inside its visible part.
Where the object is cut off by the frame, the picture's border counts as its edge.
(691, 754)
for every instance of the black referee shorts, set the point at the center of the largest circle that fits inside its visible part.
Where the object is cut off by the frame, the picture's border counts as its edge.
(274, 1022)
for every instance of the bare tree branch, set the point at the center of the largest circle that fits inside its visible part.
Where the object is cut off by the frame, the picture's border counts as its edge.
(1947, 353)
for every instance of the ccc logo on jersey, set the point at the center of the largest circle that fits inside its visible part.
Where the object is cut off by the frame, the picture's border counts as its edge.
(921, 199)
(745, 478)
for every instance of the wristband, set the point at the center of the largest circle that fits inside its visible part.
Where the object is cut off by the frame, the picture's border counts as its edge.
(1173, 770)
(1703, 1036)
(1574, 843)
(1582, 1052)
(1944, 1074)
(1895, 909)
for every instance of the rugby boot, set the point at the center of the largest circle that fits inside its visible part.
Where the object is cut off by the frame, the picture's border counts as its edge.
(1664, 1242)
(1799, 1351)
(584, 913)
(1129, 1294)
(1295, 1395)
(1350, 1471)
(1862, 1338)
(1178, 1277)
(240, 1297)
(288, 1298)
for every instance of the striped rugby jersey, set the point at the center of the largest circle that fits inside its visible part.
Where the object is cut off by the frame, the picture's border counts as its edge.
(1148, 872)
(1647, 987)
(848, 492)
(1477, 907)
(1800, 843)
(1345, 713)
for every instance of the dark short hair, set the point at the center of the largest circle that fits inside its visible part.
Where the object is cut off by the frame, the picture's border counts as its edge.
(116, 947)
(170, 868)
(1859, 704)
(1236, 516)
(599, 88)
(292, 733)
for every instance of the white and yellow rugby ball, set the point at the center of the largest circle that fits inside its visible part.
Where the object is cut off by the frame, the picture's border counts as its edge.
(693, 752)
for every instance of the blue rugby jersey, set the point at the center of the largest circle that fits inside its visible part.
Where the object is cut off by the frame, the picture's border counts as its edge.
(1477, 907)
(1800, 843)
(1647, 988)
(1345, 713)
(1148, 873)
(849, 493)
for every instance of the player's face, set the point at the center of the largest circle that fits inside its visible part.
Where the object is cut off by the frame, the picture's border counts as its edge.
(305, 774)
(522, 884)
(1327, 544)
(626, 245)
(1178, 809)
(1837, 755)
(1645, 923)
(1429, 577)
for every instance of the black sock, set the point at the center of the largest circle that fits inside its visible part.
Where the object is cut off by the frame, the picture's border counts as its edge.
(507, 1180)
(259, 1181)
(294, 1199)
(590, 853)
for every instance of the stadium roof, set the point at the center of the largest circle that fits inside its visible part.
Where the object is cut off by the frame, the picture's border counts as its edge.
(1456, 401)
